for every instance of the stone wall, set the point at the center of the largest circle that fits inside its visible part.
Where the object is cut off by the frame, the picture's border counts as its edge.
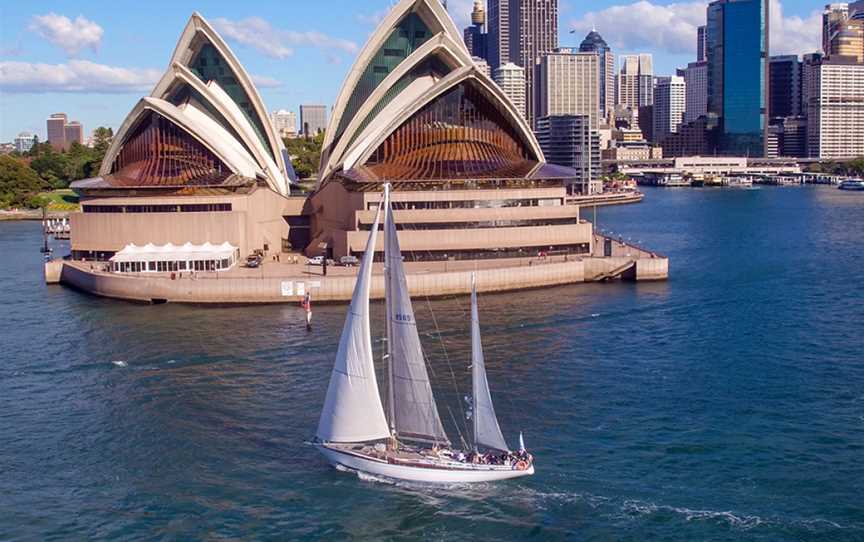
(288, 289)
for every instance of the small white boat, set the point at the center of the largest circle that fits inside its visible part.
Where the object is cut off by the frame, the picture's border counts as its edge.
(852, 184)
(409, 443)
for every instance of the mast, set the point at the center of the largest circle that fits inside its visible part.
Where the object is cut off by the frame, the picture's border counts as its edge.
(388, 302)
(474, 341)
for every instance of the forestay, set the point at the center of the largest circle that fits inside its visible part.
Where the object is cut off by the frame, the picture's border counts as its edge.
(486, 430)
(413, 410)
(352, 410)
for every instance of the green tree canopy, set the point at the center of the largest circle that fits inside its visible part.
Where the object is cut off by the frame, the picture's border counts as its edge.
(305, 154)
(18, 182)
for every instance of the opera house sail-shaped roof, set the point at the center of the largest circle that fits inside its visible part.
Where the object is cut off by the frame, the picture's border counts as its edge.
(415, 107)
(204, 124)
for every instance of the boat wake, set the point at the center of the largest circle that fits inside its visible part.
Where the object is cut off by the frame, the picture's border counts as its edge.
(641, 508)
(119, 363)
(635, 509)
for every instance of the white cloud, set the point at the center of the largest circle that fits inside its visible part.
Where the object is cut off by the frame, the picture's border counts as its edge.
(794, 35)
(671, 28)
(74, 76)
(274, 42)
(645, 26)
(71, 36)
(264, 81)
(460, 11)
(372, 18)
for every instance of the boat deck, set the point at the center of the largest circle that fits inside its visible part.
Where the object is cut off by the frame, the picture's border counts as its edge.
(421, 458)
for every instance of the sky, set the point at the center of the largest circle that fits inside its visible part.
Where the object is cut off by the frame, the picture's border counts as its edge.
(94, 60)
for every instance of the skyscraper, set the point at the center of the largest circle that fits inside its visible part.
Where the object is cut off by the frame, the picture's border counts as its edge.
(832, 17)
(74, 133)
(670, 97)
(634, 86)
(848, 40)
(483, 65)
(568, 83)
(835, 109)
(475, 36)
(511, 79)
(784, 83)
(571, 141)
(537, 34)
(520, 31)
(701, 45)
(498, 33)
(737, 38)
(594, 42)
(56, 128)
(696, 81)
(284, 122)
(24, 142)
(313, 119)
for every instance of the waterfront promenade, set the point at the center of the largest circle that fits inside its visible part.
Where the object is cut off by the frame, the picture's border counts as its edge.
(287, 282)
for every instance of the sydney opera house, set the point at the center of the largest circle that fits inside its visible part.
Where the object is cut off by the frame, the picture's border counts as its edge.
(198, 161)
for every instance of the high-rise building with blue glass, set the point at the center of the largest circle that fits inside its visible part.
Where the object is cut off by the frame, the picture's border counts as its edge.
(737, 50)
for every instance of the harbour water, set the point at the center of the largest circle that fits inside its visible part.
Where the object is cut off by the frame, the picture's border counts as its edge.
(724, 404)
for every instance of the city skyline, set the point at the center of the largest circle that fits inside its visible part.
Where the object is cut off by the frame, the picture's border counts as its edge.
(84, 61)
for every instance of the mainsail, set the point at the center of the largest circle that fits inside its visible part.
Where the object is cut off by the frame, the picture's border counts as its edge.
(486, 430)
(352, 410)
(413, 412)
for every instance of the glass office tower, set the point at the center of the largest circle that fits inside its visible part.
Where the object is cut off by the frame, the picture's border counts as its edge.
(737, 40)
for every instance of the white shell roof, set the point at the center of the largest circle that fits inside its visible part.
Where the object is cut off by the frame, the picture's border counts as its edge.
(232, 137)
(353, 146)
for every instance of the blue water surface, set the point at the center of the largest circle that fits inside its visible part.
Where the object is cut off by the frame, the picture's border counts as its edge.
(724, 404)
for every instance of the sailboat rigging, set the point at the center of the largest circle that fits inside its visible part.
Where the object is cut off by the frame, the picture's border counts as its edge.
(354, 431)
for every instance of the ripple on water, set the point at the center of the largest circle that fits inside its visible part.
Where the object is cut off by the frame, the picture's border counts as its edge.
(723, 404)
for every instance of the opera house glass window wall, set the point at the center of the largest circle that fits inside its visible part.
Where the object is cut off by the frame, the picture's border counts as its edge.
(157, 152)
(459, 135)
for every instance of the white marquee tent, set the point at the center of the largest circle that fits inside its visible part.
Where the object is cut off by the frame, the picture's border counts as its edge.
(152, 258)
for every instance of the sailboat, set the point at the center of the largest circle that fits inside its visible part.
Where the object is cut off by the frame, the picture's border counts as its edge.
(409, 442)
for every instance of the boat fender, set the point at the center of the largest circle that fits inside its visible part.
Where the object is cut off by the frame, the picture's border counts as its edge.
(521, 465)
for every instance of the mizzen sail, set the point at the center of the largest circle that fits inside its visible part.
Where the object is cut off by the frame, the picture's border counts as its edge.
(352, 410)
(486, 430)
(413, 411)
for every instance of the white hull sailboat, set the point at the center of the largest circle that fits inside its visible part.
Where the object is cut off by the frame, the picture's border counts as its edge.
(409, 442)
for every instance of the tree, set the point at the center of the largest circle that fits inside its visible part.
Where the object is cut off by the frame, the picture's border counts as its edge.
(51, 166)
(102, 137)
(305, 154)
(18, 182)
(37, 201)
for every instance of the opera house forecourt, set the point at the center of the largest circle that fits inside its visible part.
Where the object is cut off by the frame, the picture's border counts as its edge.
(197, 179)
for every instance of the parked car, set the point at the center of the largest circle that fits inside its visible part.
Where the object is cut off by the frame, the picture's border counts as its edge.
(349, 261)
(254, 260)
